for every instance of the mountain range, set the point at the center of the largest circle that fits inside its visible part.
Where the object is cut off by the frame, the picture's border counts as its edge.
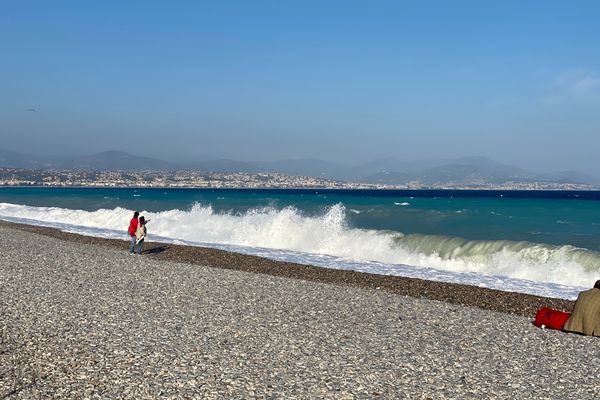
(384, 171)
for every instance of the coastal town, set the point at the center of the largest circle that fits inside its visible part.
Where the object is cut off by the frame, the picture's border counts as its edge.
(168, 179)
(239, 180)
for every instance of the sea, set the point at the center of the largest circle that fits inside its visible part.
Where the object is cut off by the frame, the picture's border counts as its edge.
(544, 243)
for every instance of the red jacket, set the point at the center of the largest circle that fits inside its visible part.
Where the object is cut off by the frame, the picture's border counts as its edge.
(133, 225)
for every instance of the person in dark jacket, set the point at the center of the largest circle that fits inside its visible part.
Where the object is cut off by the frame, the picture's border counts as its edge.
(133, 226)
(586, 313)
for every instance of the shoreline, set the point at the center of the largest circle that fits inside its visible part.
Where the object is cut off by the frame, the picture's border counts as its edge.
(80, 318)
(332, 189)
(452, 293)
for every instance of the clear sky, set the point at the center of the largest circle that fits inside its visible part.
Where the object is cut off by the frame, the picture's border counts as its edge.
(517, 81)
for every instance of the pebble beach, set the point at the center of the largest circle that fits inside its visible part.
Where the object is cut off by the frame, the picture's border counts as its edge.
(81, 318)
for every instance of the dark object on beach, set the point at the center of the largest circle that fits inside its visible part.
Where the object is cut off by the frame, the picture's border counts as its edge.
(586, 313)
(549, 318)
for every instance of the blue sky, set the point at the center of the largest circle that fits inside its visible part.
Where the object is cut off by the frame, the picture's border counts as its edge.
(348, 81)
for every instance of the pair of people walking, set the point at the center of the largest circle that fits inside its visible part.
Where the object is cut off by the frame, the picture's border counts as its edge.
(137, 232)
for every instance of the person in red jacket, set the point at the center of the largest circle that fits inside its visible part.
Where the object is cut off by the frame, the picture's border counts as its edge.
(133, 225)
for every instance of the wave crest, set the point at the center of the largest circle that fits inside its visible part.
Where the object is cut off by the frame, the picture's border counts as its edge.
(330, 234)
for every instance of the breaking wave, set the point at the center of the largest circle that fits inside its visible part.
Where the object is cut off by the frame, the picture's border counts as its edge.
(330, 234)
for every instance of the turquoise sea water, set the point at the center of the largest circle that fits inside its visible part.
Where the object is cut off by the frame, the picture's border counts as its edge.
(546, 217)
(540, 236)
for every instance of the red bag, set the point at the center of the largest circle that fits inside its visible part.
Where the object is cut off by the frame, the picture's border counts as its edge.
(551, 319)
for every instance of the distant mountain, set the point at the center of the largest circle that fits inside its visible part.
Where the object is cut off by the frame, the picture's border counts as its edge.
(568, 177)
(306, 167)
(474, 170)
(390, 178)
(12, 159)
(222, 165)
(117, 160)
(466, 170)
(108, 160)
(391, 164)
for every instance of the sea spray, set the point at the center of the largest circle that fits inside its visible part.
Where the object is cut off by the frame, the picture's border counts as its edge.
(329, 233)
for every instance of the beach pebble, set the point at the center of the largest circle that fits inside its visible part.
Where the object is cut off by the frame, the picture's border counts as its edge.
(82, 320)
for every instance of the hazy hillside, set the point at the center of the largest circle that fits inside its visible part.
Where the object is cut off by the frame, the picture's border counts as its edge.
(384, 171)
(116, 160)
(13, 159)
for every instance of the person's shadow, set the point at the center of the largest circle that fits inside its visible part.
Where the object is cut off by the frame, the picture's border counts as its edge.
(155, 249)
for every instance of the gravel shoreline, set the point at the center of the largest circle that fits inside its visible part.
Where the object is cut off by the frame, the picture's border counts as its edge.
(80, 318)
(472, 296)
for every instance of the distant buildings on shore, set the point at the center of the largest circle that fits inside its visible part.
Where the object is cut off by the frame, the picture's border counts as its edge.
(202, 179)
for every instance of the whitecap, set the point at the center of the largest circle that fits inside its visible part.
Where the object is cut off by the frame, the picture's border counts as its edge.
(558, 271)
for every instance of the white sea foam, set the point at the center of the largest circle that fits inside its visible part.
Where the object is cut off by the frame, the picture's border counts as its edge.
(327, 240)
